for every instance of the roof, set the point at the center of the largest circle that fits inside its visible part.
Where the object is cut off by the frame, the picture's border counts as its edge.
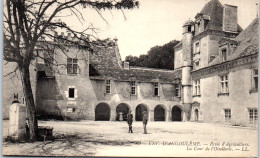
(46, 69)
(247, 43)
(104, 64)
(133, 74)
(188, 22)
(214, 9)
(179, 45)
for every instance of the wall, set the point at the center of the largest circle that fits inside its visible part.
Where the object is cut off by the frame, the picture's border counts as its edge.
(90, 92)
(12, 84)
(56, 103)
(178, 59)
(120, 93)
(238, 100)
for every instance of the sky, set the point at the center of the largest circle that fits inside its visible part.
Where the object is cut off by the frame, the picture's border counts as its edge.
(153, 23)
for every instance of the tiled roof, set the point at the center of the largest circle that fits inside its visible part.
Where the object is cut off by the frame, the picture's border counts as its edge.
(136, 74)
(247, 43)
(248, 40)
(214, 9)
(106, 63)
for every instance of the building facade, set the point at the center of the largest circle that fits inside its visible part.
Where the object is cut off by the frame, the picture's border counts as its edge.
(220, 63)
(215, 78)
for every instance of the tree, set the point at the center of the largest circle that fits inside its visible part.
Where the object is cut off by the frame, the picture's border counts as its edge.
(29, 26)
(161, 57)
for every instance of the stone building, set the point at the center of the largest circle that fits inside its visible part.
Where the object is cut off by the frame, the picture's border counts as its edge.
(219, 64)
(99, 86)
(215, 78)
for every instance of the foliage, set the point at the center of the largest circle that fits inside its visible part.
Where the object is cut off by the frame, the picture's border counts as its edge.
(161, 57)
(29, 27)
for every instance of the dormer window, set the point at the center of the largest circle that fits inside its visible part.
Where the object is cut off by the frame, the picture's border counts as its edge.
(199, 29)
(224, 55)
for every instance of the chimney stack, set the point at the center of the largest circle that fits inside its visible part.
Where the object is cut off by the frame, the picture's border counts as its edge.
(230, 18)
(126, 65)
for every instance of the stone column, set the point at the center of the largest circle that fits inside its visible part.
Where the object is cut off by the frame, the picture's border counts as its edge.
(151, 115)
(113, 114)
(17, 122)
(133, 113)
(167, 116)
(186, 112)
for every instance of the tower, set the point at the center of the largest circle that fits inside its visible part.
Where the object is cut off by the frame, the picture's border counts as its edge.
(188, 28)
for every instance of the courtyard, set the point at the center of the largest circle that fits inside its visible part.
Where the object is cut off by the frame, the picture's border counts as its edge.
(105, 138)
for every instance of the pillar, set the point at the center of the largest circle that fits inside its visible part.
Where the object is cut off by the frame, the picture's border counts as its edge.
(186, 113)
(151, 115)
(133, 112)
(113, 114)
(167, 115)
(17, 122)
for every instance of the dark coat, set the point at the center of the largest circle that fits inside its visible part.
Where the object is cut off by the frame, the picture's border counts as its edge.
(129, 118)
(145, 119)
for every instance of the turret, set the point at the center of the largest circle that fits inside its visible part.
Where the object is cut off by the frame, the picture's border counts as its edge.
(188, 29)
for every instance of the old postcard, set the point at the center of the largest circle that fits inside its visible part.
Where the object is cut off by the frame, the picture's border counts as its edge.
(130, 78)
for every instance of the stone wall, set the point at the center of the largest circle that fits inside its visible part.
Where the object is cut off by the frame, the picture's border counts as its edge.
(230, 18)
(12, 84)
(239, 99)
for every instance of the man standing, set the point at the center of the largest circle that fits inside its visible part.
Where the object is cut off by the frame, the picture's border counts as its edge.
(130, 121)
(145, 119)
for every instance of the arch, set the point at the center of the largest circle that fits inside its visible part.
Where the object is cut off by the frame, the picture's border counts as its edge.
(196, 112)
(140, 108)
(124, 109)
(102, 112)
(159, 113)
(176, 113)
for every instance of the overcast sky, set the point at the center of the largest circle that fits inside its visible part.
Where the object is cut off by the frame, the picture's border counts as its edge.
(155, 22)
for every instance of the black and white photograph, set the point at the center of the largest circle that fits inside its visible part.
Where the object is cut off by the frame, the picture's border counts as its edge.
(130, 78)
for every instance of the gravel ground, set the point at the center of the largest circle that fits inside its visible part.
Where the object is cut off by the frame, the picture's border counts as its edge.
(94, 138)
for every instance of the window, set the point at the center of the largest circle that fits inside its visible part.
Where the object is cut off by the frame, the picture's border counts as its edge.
(71, 92)
(199, 29)
(224, 84)
(224, 55)
(72, 66)
(108, 86)
(227, 115)
(177, 90)
(253, 116)
(197, 48)
(196, 87)
(156, 89)
(189, 28)
(133, 88)
(255, 79)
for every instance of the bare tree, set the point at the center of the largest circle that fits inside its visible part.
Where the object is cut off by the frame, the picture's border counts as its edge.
(29, 25)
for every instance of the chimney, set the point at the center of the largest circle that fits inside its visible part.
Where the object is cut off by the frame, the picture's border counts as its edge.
(126, 65)
(230, 18)
(69, 36)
